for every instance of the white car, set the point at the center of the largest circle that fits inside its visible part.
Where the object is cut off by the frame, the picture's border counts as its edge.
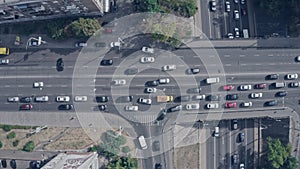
(41, 98)
(145, 101)
(292, 76)
(4, 61)
(131, 108)
(147, 60)
(245, 87)
(151, 90)
(297, 59)
(256, 95)
(199, 97)
(237, 32)
(164, 81)
(13, 99)
(38, 84)
(242, 166)
(236, 14)
(247, 104)
(194, 106)
(168, 67)
(115, 44)
(80, 44)
(119, 82)
(227, 5)
(147, 50)
(212, 105)
(230, 35)
(80, 98)
(62, 98)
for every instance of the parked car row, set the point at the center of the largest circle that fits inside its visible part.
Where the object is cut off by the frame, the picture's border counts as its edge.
(29, 99)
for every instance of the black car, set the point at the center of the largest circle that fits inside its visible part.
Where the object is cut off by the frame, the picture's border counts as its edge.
(272, 76)
(158, 166)
(152, 83)
(242, 137)
(102, 107)
(184, 98)
(13, 164)
(4, 163)
(281, 94)
(65, 107)
(234, 159)
(156, 146)
(107, 62)
(213, 97)
(161, 115)
(132, 71)
(60, 64)
(102, 98)
(26, 99)
(175, 108)
(128, 98)
(272, 103)
(232, 97)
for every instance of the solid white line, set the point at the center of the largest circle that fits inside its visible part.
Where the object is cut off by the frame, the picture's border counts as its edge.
(215, 153)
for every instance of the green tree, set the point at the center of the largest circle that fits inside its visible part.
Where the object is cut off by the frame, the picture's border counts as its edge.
(272, 7)
(279, 156)
(84, 28)
(11, 135)
(123, 163)
(29, 146)
(16, 143)
(7, 128)
(125, 149)
(148, 5)
(1, 144)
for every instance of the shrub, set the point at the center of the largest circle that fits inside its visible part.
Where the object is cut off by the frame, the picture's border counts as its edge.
(16, 143)
(125, 149)
(6, 128)
(29, 146)
(11, 135)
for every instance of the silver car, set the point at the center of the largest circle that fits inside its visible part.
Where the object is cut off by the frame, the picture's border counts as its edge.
(80, 98)
(131, 108)
(194, 106)
(13, 99)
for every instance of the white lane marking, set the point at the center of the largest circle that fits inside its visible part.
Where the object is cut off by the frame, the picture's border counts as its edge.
(7, 86)
(270, 55)
(257, 63)
(272, 64)
(243, 64)
(227, 56)
(63, 85)
(20, 85)
(211, 56)
(256, 55)
(242, 55)
(227, 64)
(215, 153)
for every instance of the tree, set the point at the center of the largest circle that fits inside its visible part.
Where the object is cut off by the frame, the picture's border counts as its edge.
(279, 156)
(84, 28)
(1, 144)
(7, 128)
(273, 7)
(29, 146)
(11, 135)
(16, 143)
(125, 149)
(123, 163)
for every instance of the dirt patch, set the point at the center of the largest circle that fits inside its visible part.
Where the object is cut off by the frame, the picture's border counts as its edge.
(187, 157)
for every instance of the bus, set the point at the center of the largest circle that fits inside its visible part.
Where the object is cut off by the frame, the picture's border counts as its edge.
(142, 142)
(4, 51)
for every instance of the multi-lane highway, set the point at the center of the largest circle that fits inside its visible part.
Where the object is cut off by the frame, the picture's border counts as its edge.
(242, 66)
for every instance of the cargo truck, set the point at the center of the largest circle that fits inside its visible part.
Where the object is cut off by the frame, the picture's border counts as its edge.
(162, 99)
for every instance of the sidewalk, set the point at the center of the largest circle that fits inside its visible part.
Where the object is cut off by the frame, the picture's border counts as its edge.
(22, 155)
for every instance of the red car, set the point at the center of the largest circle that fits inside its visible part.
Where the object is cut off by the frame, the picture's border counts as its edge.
(260, 86)
(230, 105)
(108, 30)
(228, 87)
(26, 107)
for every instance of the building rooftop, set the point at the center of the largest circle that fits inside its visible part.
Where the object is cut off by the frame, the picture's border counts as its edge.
(73, 161)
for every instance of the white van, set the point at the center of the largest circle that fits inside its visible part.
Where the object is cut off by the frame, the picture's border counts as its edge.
(142, 142)
(212, 80)
(280, 84)
(217, 132)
